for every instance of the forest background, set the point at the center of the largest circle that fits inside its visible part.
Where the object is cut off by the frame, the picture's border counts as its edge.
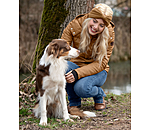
(30, 13)
(10, 26)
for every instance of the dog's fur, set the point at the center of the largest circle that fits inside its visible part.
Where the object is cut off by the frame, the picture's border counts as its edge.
(50, 81)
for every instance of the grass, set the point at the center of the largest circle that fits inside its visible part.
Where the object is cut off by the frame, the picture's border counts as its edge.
(116, 104)
(52, 123)
(24, 112)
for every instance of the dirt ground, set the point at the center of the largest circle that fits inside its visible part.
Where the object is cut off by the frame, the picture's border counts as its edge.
(117, 116)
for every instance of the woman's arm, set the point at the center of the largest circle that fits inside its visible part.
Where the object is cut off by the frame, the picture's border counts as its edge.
(90, 69)
(73, 29)
(95, 67)
(67, 35)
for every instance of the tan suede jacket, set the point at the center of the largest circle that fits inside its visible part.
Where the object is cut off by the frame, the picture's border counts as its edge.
(87, 65)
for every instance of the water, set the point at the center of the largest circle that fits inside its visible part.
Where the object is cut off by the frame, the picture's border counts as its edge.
(119, 78)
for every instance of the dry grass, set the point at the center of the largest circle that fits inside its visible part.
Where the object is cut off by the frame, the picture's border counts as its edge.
(116, 116)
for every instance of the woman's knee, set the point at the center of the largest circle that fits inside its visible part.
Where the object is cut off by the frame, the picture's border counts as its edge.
(89, 86)
(82, 89)
(100, 78)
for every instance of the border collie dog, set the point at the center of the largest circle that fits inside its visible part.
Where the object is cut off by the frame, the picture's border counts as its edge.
(50, 81)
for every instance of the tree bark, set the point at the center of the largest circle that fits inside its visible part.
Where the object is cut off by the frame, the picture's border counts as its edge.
(76, 7)
(55, 19)
(54, 14)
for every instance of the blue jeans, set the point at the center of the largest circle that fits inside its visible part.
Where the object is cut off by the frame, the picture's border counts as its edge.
(89, 86)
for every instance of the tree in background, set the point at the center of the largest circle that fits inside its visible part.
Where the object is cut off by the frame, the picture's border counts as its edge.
(55, 19)
(31, 34)
(54, 14)
(76, 7)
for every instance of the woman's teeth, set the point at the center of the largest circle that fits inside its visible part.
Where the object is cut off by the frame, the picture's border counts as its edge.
(93, 30)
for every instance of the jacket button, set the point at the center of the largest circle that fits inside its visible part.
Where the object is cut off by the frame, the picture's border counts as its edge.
(111, 38)
(73, 32)
(112, 43)
(71, 28)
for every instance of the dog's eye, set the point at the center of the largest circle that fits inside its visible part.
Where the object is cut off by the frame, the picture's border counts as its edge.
(65, 49)
(68, 48)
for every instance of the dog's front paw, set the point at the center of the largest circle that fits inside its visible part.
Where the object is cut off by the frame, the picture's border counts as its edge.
(66, 117)
(74, 116)
(70, 120)
(43, 122)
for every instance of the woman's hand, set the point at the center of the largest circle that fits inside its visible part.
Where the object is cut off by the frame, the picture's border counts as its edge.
(69, 77)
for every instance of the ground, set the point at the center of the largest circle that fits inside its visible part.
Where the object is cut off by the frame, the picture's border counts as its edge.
(117, 116)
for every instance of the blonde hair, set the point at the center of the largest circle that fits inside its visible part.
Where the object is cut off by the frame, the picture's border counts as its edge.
(100, 45)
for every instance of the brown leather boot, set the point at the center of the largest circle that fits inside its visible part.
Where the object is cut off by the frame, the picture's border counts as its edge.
(74, 110)
(68, 107)
(100, 106)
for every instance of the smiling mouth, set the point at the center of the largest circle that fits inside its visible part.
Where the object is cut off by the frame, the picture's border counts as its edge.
(93, 31)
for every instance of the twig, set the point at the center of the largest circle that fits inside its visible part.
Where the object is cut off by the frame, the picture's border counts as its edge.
(119, 3)
(25, 79)
(29, 69)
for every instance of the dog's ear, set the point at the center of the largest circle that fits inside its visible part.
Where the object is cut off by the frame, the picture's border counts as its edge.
(53, 49)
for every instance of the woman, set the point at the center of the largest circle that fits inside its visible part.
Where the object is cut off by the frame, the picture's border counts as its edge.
(93, 34)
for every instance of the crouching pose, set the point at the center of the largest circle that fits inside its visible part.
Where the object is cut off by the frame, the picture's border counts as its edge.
(93, 34)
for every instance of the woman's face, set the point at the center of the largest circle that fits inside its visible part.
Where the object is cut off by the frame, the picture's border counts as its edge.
(95, 26)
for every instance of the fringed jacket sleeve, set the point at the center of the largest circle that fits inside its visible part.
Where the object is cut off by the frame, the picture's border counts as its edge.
(72, 34)
(95, 67)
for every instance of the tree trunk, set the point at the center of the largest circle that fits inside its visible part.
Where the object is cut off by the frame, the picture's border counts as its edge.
(53, 21)
(76, 7)
(54, 14)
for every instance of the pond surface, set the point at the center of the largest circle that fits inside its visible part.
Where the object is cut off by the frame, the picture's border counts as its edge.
(119, 78)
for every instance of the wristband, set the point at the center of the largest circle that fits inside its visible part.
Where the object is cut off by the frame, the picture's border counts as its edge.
(75, 74)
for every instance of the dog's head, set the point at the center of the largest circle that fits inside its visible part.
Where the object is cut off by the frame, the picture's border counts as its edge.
(60, 48)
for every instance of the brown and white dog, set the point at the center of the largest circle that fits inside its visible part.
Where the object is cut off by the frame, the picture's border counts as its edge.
(50, 81)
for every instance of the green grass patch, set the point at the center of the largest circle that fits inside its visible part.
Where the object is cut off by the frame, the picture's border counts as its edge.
(24, 112)
(117, 104)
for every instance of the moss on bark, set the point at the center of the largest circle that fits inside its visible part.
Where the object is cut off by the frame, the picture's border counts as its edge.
(54, 14)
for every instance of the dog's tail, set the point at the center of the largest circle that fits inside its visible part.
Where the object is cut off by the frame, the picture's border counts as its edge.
(36, 109)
